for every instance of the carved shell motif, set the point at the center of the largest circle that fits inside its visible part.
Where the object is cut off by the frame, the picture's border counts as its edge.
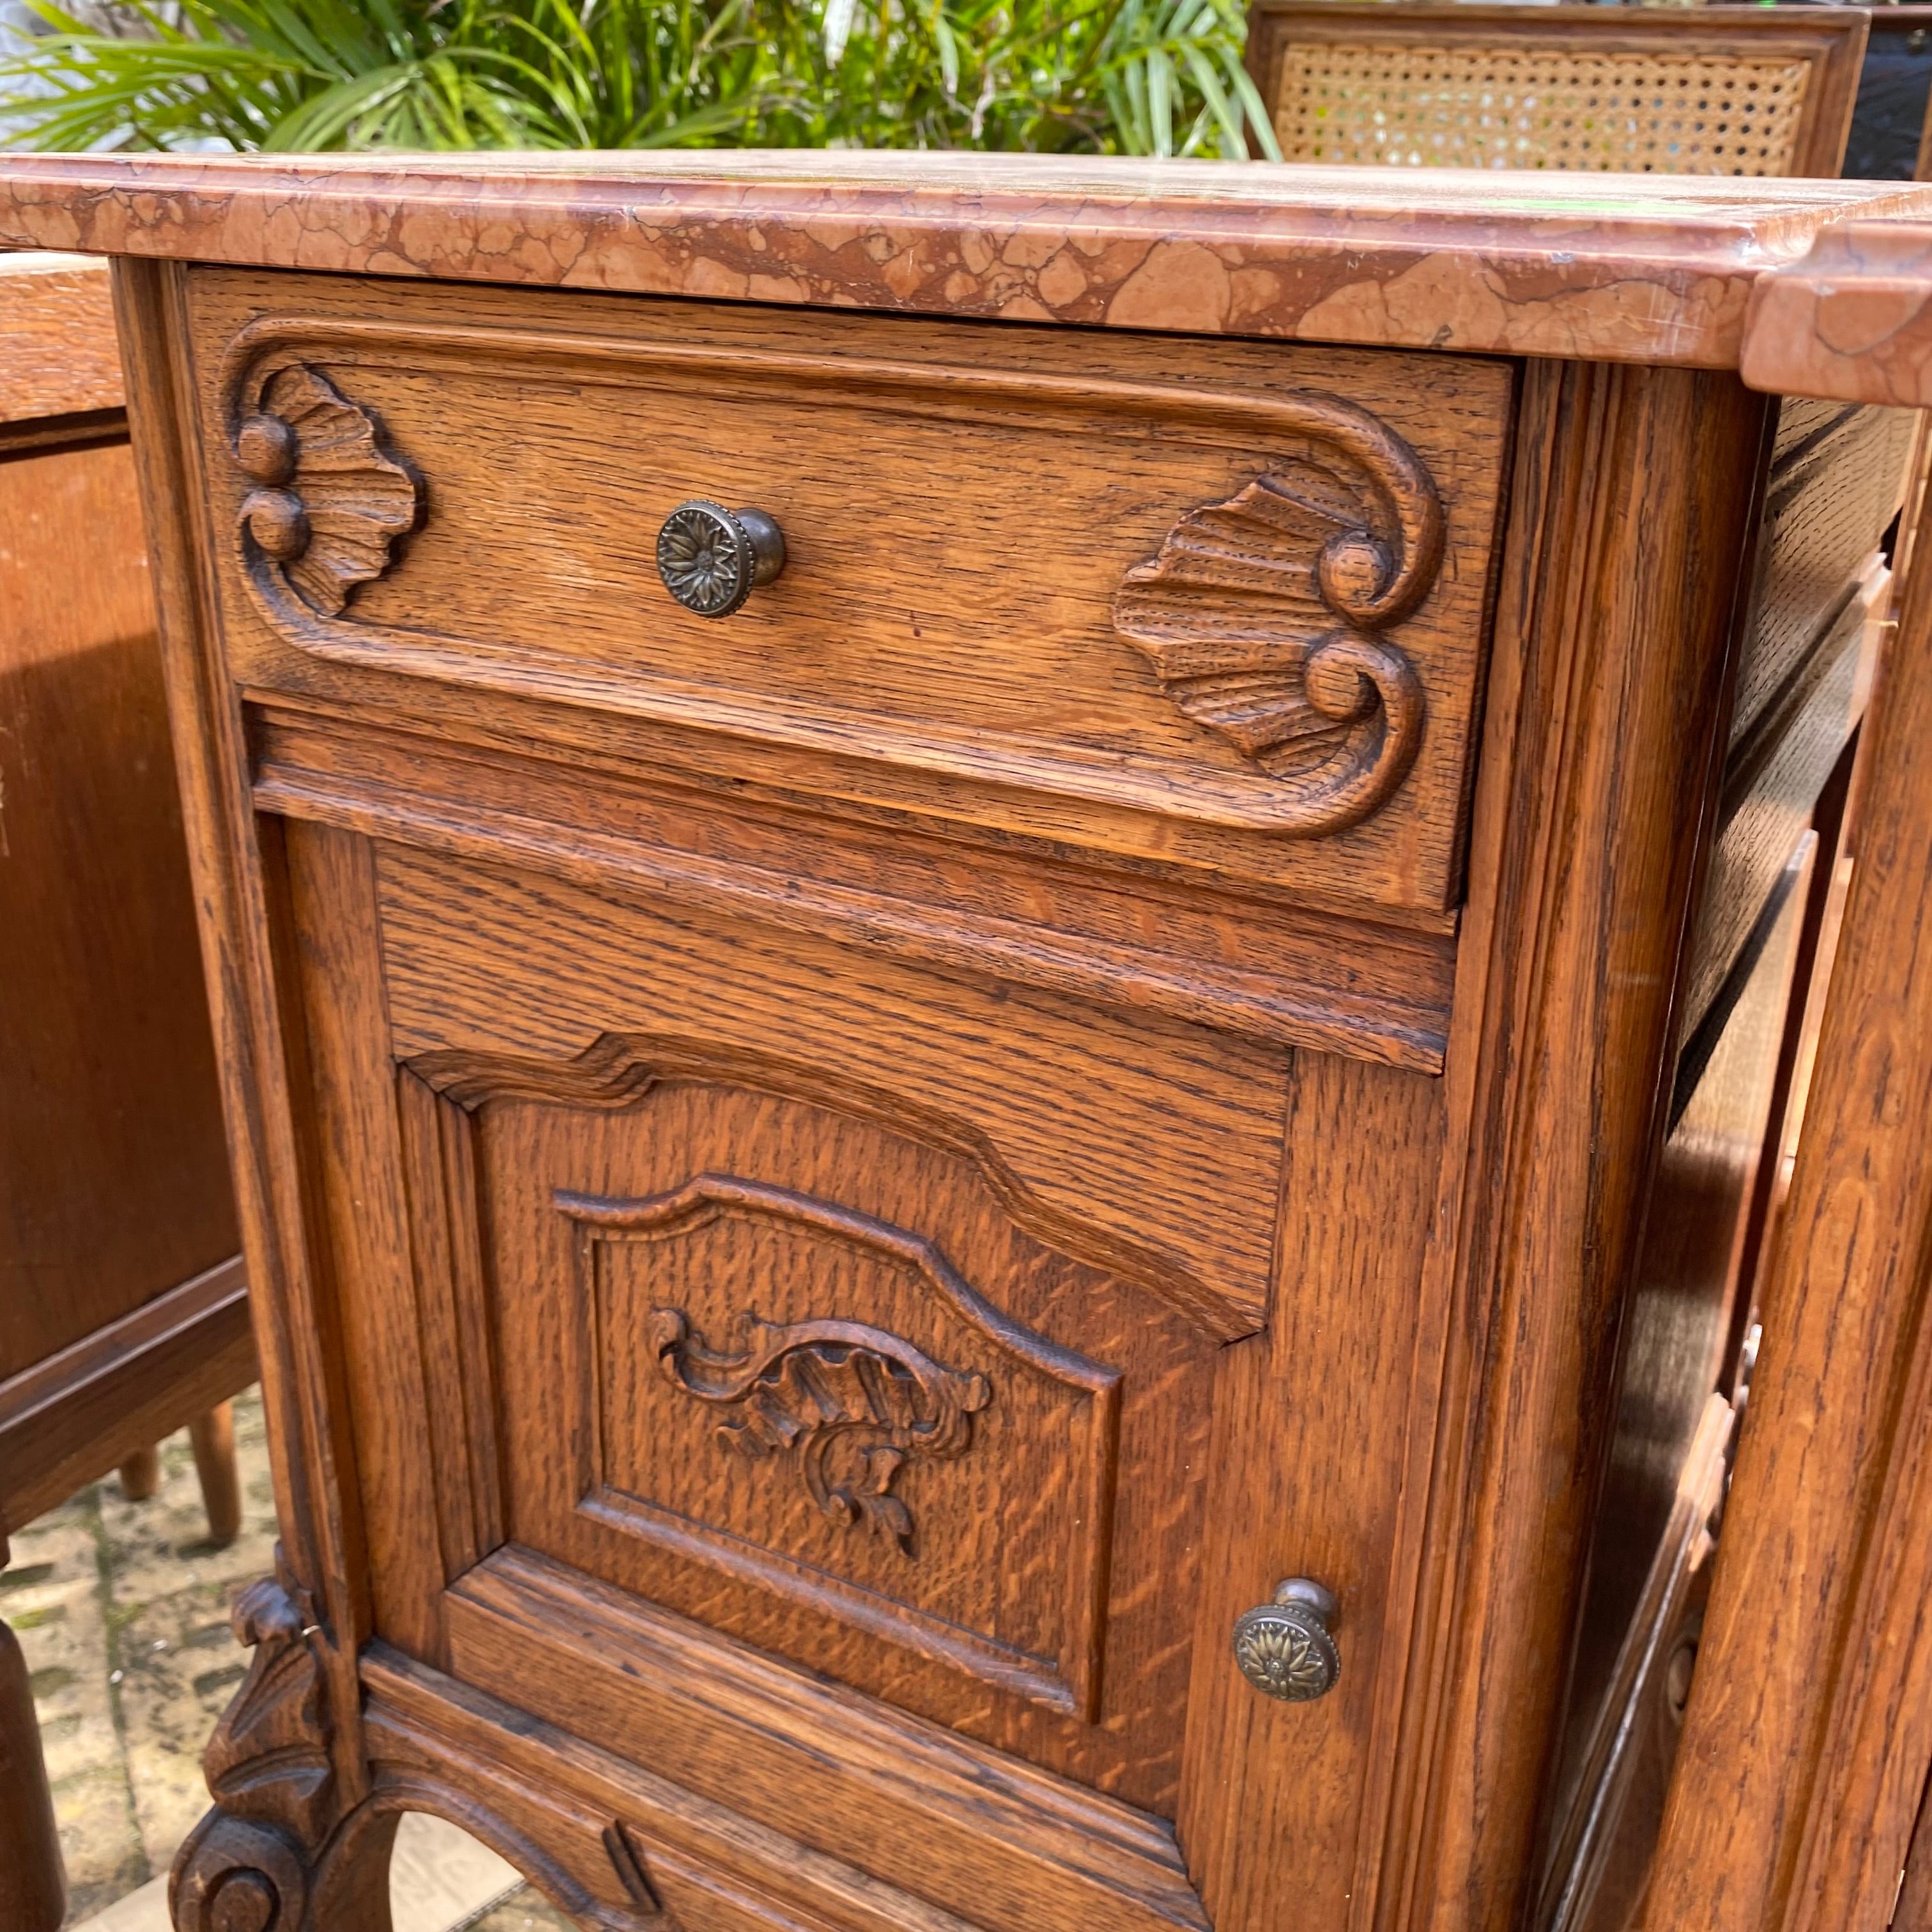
(331, 502)
(848, 1403)
(1260, 614)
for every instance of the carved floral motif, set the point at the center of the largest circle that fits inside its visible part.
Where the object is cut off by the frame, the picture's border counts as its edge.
(1260, 614)
(331, 502)
(848, 1403)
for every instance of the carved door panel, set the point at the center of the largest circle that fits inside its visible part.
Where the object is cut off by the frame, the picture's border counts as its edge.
(849, 1393)
(786, 1371)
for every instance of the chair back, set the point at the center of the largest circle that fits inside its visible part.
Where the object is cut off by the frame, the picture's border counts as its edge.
(1705, 90)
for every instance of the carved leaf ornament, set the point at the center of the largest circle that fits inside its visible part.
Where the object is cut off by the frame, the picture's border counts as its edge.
(1262, 616)
(330, 501)
(850, 1405)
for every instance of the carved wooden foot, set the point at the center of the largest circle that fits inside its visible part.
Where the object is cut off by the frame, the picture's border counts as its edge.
(235, 1876)
(280, 1852)
(232, 1876)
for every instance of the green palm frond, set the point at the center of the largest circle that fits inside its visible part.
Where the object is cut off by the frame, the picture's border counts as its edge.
(1137, 76)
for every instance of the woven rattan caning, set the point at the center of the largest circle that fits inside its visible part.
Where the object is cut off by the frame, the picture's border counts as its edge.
(1722, 90)
(1521, 107)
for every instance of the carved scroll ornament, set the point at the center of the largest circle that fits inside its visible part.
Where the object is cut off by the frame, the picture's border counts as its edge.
(1262, 615)
(330, 501)
(246, 1866)
(849, 1404)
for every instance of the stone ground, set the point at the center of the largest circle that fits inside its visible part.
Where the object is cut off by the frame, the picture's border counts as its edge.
(121, 1609)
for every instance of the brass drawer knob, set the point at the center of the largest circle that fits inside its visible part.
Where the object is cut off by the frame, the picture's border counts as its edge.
(1284, 1648)
(711, 559)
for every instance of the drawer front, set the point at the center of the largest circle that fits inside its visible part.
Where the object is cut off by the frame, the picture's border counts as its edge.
(1207, 602)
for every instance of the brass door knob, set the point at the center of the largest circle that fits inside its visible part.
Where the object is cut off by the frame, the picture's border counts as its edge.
(711, 559)
(1284, 1648)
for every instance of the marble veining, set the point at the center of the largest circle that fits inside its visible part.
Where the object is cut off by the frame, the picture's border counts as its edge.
(1853, 319)
(1646, 269)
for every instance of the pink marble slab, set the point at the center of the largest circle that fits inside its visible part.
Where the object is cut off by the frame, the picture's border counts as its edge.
(1851, 319)
(1640, 268)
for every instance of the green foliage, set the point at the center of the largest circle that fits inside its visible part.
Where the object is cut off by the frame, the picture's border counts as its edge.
(1133, 77)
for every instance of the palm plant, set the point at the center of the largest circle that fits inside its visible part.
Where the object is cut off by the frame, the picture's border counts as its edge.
(1137, 76)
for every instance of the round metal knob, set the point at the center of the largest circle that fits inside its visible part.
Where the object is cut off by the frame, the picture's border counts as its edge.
(1284, 1648)
(711, 559)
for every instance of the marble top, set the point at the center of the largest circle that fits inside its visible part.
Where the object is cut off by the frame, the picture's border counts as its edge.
(1637, 268)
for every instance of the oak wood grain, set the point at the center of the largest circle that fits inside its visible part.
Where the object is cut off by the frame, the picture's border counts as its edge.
(947, 1819)
(1605, 726)
(1262, 965)
(1838, 476)
(1809, 1725)
(59, 357)
(1773, 780)
(1150, 1148)
(1308, 1456)
(241, 913)
(912, 652)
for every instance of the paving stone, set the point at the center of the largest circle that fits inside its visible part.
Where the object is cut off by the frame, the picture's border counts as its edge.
(169, 1591)
(526, 1911)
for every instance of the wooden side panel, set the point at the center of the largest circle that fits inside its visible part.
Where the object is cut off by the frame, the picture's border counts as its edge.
(1667, 1467)
(113, 1173)
(1634, 503)
(1773, 783)
(1838, 478)
(1809, 1725)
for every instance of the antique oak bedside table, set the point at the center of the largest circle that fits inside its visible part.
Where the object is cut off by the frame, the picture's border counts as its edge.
(955, 908)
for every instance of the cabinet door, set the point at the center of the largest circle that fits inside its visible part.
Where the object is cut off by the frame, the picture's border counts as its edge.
(866, 1398)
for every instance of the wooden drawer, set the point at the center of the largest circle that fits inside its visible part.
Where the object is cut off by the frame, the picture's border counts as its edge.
(1224, 609)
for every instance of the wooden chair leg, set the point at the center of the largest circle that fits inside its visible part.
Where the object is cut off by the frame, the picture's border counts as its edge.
(141, 1475)
(213, 1436)
(33, 1881)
